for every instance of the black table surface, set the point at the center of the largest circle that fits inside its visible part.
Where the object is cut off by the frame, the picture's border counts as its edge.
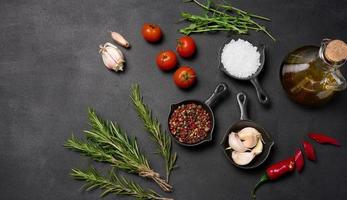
(50, 72)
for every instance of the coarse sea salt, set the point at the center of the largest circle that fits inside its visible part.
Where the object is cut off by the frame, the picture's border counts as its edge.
(240, 58)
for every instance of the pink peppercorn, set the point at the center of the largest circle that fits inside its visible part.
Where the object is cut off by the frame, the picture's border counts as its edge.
(190, 123)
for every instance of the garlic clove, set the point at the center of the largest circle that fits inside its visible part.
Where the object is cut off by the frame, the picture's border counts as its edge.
(115, 54)
(258, 148)
(119, 39)
(110, 63)
(249, 136)
(242, 158)
(235, 143)
(248, 131)
(112, 57)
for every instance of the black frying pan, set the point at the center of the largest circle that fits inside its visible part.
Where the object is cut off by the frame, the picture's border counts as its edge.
(243, 123)
(262, 95)
(220, 90)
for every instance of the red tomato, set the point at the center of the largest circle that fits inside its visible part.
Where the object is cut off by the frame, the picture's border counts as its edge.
(186, 47)
(151, 32)
(166, 60)
(184, 77)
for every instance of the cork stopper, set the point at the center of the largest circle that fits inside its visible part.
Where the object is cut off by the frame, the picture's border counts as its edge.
(336, 51)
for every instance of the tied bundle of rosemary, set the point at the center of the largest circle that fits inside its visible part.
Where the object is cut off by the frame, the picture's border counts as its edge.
(113, 184)
(152, 125)
(222, 17)
(106, 142)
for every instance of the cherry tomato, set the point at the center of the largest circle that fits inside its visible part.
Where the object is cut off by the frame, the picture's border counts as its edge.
(166, 60)
(184, 77)
(186, 47)
(151, 32)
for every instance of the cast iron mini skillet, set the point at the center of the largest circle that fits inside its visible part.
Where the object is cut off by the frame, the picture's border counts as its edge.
(243, 123)
(220, 90)
(262, 95)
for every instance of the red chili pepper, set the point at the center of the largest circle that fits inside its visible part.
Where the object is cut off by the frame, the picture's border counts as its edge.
(309, 151)
(275, 171)
(324, 139)
(299, 160)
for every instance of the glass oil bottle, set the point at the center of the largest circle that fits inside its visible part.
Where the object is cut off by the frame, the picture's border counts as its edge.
(311, 75)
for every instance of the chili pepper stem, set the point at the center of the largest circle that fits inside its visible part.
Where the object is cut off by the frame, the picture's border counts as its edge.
(262, 180)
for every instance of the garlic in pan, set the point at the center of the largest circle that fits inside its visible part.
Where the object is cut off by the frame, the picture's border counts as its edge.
(246, 144)
(112, 56)
(258, 148)
(235, 143)
(119, 39)
(249, 136)
(242, 158)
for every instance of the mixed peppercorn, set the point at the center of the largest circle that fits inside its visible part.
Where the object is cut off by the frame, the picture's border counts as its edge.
(190, 123)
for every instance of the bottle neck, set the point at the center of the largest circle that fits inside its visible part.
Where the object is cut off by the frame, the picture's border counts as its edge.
(322, 55)
(332, 68)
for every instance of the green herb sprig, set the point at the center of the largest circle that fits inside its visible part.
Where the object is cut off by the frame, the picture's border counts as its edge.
(113, 184)
(106, 142)
(153, 127)
(222, 17)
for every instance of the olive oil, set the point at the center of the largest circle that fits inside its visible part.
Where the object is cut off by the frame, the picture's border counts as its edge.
(309, 78)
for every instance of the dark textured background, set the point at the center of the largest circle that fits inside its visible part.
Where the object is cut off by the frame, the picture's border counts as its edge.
(50, 72)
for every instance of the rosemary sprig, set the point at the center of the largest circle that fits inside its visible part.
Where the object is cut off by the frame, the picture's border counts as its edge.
(106, 142)
(89, 149)
(153, 127)
(113, 184)
(222, 17)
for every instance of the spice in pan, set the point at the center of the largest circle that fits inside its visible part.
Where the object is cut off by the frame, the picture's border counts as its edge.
(240, 58)
(245, 145)
(190, 123)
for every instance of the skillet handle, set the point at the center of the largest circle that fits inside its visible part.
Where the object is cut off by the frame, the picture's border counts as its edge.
(242, 101)
(262, 95)
(220, 90)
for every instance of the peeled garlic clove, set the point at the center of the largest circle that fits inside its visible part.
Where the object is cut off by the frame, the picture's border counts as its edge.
(248, 131)
(111, 55)
(258, 148)
(235, 143)
(250, 141)
(242, 158)
(249, 136)
(119, 39)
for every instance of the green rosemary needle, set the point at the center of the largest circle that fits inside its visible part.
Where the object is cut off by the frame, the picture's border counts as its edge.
(113, 184)
(106, 142)
(153, 127)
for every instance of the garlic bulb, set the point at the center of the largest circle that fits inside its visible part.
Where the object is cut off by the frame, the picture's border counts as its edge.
(249, 136)
(119, 39)
(235, 143)
(242, 158)
(112, 56)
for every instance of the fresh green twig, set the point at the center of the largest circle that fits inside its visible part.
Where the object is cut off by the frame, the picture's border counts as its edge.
(106, 142)
(113, 184)
(89, 149)
(222, 17)
(153, 127)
